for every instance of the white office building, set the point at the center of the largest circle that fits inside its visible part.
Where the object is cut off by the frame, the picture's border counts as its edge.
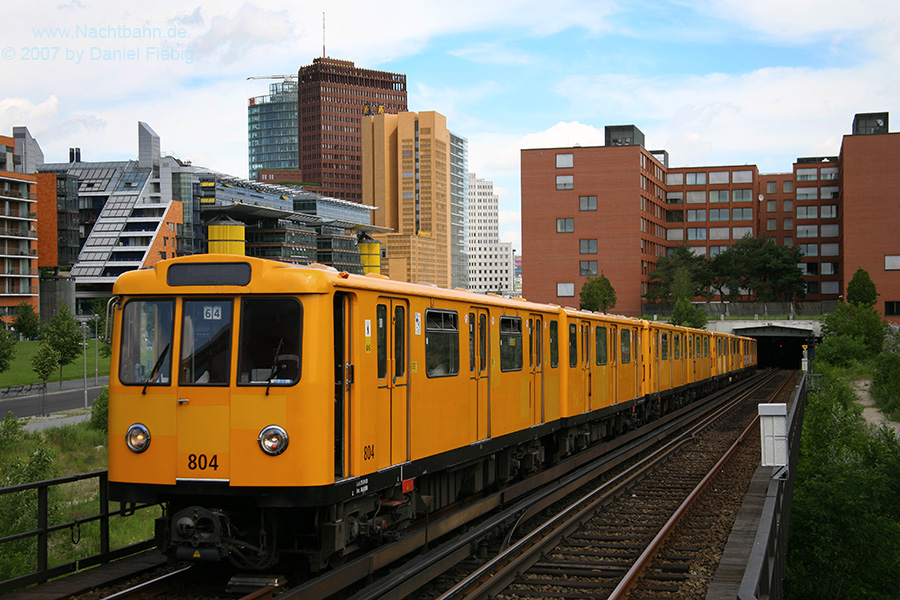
(491, 262)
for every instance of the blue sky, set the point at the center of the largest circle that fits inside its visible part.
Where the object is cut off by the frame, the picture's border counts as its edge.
(712, 82)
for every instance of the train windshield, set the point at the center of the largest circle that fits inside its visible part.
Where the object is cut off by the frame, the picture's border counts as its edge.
(146, 352)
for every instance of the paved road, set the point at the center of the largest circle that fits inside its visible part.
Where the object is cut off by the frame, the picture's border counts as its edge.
(70, 397)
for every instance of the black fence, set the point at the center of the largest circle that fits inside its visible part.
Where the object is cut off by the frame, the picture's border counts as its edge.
(36, 497)
(764, 576)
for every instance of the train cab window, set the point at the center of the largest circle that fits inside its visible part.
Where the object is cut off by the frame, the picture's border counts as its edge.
(510, 344)
(600, 345)
(664, 346)
(271, 332)
(626, 346)
(441, 343)
(206, 342)
(145, 357)
(573, 345)
(676, 346)
(554, 344)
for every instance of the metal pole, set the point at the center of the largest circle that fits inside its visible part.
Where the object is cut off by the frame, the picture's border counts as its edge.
(96, 351)
(84, 353)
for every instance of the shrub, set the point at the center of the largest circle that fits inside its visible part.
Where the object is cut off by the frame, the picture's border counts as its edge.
(886, 381)
(100, 411)
(841, 350)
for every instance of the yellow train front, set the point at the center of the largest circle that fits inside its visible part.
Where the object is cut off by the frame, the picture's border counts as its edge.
(282, 411)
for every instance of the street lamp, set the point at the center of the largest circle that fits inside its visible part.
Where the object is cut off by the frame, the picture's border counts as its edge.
(84, 354)
(96, 351)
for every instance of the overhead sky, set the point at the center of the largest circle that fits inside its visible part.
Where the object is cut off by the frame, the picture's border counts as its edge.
(712, 82)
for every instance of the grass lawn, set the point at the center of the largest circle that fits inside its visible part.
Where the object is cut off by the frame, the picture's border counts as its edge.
(20, 371)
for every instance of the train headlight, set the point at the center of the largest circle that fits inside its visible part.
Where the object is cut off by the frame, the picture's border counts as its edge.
(137, 438)
(273, 440)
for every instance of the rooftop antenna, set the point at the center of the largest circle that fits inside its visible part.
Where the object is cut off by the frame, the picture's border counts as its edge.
(323, 34)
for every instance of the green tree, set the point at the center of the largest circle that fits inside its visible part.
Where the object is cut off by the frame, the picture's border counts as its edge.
(763, 270)
(98, 307)
(43, 363)
(26, 321)
(688, 314)
(65, 336)
(861, 290)
(682, 260)
(7, 349)
(861, 323)
(597, 293)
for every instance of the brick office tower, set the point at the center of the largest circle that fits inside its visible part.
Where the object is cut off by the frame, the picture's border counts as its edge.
(333, 95)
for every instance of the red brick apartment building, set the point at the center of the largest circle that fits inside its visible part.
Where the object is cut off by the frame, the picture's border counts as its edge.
(615, 209)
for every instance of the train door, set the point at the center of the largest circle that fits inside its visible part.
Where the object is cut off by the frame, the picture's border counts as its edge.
(343, 381)
(614, 362)
(536, 367)
(587, 379)
(392, 395)
(479, 371)
(602, 373)
(203, 414)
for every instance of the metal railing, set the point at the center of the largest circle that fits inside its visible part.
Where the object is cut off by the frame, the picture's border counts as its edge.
(764, 575)
(44, 529)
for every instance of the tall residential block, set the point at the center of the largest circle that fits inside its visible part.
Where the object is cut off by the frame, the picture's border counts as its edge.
(333, 97)
(616, 209)
(491, 262)
(18, 231)
(406, 176)
(272, 129)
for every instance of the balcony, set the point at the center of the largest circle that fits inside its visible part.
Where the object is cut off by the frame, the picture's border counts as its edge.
(18, 232)
(17, 195)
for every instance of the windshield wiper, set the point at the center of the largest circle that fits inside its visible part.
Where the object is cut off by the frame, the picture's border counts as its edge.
(159, 362)
(274, 365)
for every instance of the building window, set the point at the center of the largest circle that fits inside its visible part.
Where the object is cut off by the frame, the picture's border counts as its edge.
(830, 287)
(807, 212)
(788, 187)
(830, 249)
(719, 214)
(718, 177)
(829, 173)
(718, 233)
(674, 178)
(807, 193)
(696, 197)
(891, 308)
(587, 203)
(675, 235)
(718, 196)
(812, 287)
(565, 225)
(809, 249)
(695, 178)
(831, 230)
(741, 214)
(828, 268)
(742, 177)
(807, 231)
(807, 174)
(714, 251)
(587, 246)
(741, 195)
(565, 290)
(565, 182)
(829, 211)
(698, 233)
(696, 215)
(740, 232)
(587, 267)
(674, 197)
(788, 242)
(771, 187)
(675, 216)
(788, 206)
(892, 262)
(788, 224)
(771, 224)
(830, 192)
(772, 206)
(565, 161)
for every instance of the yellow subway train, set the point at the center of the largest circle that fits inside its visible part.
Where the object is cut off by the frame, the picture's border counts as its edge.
(285, 412)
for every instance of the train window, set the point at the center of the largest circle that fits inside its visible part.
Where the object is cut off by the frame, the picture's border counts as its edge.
(441, 343)
(613, 337)
(554, 344)
(270, 341)
(206, 342)
(399, 341)
(664, 346)
(482, 341)
(381, 326)
(626, 346)
(676, 346)
(573, 345)
(538, 347)
(472, 342)
(600, 345)
(586, 345)
(510, 344)
(706, 347)
(145, 357)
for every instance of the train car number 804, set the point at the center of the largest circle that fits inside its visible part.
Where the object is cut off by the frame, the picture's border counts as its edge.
(202, 462)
